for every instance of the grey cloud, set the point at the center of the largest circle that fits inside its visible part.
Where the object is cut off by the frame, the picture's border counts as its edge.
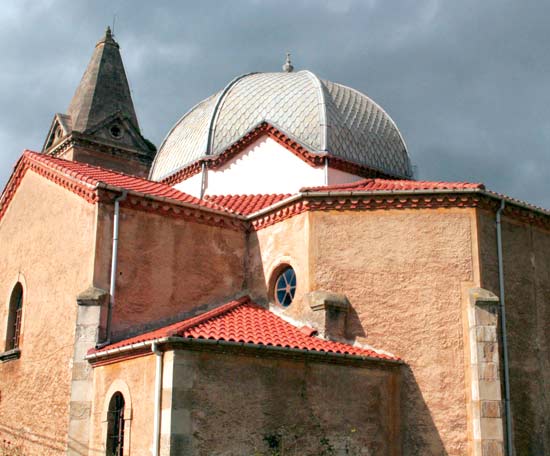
(465, 81)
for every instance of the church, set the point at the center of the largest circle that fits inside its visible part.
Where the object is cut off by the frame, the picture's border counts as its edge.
(273, 280)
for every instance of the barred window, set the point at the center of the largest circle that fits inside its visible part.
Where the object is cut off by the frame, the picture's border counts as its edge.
(14, 318)
(115, 426)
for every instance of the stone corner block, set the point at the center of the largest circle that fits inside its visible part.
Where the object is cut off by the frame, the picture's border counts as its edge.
(326, 300)
(92, 296)
(481, 295)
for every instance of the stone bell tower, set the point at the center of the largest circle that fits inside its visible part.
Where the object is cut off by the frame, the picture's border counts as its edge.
(101, 126)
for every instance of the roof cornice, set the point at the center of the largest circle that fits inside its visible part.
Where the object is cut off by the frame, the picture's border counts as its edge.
(243, 348)
(316, 200)
(102, 192)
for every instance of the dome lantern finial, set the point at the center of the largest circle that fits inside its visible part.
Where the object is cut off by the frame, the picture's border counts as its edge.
(287, 67)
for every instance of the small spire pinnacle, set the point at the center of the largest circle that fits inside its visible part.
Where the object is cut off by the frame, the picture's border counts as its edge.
(108, 38)
(287, 67)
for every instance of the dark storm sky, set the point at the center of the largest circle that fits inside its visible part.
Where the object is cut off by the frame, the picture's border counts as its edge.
(467, 82)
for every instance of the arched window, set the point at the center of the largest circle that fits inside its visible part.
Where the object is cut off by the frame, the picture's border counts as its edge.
(14, 317)
(115, 426)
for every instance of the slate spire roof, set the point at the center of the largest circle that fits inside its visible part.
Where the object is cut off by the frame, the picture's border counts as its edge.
(103, 90)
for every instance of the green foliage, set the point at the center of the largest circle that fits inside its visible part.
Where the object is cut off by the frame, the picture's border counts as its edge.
(295, 442)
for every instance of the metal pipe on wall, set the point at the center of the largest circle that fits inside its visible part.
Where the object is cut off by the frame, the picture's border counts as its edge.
(114, 264)
(158, 390)
(506, 366)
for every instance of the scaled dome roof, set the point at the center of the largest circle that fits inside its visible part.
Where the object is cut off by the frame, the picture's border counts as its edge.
(325, 117)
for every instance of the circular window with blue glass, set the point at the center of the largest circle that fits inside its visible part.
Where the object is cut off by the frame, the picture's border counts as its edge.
(285, 286)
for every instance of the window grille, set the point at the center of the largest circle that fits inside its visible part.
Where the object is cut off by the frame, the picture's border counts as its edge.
(115, 426)
(15, 316)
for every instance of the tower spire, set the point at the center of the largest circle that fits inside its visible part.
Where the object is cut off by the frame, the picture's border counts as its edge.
(101, 125)
(103, 89)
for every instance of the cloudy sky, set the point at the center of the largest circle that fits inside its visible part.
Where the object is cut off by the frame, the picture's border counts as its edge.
(467, 82)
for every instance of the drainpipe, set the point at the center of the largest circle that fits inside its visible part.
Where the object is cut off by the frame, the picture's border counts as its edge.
(506, 367)
(326, 170)
(114, 260)
(158, 390)
(203, 180)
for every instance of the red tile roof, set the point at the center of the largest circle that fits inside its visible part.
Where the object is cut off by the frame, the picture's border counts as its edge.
(246, 204)
(394, 185)
(243, 321)
(94, 175)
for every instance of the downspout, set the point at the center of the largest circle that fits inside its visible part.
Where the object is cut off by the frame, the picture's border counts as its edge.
(326, 170)
(158, 391)
(114, 263)
(506, 366)
(203, 179)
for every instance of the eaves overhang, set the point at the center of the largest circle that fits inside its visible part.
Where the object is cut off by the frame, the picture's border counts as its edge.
(184, 343)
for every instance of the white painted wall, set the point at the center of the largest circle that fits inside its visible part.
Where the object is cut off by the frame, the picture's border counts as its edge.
(191, 186)
(335, 177)
(263, 167)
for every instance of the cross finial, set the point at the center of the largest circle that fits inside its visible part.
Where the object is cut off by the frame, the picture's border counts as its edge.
(108, 34)
(287, 67)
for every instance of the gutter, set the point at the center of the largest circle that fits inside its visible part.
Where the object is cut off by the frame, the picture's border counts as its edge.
(322, 194)
(504, 336)
(163, 199)
(191, 341)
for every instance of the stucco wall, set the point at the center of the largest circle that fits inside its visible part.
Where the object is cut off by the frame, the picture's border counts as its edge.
(167, 266)
(283, 243)
(404, 272)
(135, 380)
(526, 254)
(46, 240)
(235, 405)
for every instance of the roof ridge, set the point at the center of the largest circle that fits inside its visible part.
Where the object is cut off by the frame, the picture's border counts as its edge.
(93, 175)
(50, 162)
(245, 323)
(347, 185)
(240, 195)
(45, 157)
(211, 314)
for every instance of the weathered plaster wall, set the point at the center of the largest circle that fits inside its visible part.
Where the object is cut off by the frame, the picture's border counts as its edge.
(526, 253)
(404, 273)
(46, 236)
(168, 266)
(235, 405)
(135, 379)
(283, 243)
(106, 160)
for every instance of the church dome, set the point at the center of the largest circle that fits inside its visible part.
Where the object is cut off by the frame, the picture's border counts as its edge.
(323, 116)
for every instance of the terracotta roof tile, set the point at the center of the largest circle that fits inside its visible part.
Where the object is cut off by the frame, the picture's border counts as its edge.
(246, 204)
(243, 321)
(394, 185)
(94, 175)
